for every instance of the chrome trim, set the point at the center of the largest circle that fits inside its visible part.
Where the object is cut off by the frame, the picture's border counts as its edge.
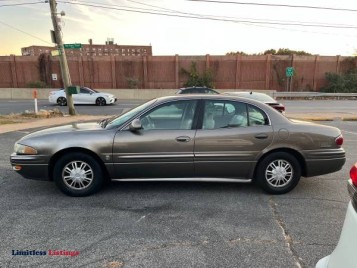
(190, 179)
(150, 156)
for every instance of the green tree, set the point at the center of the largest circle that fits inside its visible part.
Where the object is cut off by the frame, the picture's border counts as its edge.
(286, 51)
(232, 53)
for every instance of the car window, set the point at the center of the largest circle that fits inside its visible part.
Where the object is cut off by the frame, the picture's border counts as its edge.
(224, 114)
(173, 115)
(257, 116)
(186, 91)
(84, 90)
(121, 119)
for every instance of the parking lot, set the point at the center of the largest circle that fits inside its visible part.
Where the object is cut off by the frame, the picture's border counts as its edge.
(173, 224)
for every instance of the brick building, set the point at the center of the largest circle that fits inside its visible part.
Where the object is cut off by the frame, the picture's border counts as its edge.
(94, 50)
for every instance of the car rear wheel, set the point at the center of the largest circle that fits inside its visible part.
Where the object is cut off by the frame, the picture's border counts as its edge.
(278, 173)
(62, 101)
(100, 101)
(78, 174)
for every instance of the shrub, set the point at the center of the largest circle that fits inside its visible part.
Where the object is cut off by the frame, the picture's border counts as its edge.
(341, 83)
(198, 80)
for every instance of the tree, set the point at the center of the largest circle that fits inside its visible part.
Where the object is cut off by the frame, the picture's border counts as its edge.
(236, 53)
(286, 51)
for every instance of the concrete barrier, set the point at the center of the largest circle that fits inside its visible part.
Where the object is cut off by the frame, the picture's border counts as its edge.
(121, 94)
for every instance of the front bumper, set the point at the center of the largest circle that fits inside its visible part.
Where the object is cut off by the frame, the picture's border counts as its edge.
(30, 166)
(111, 100)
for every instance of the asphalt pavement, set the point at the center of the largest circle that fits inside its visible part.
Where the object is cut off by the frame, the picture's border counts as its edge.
(172, 224)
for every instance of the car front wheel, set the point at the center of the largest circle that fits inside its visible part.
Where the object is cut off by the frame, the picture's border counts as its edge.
(278, 173)
(78, 174)
(100, 101)
(62, 101)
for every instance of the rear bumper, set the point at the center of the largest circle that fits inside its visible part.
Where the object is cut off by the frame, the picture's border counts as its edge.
(324, 161)
(30, 166)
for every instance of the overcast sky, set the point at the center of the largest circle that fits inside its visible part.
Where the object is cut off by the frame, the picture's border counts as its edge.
(230, 27)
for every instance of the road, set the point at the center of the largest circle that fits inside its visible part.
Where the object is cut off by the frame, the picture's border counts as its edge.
(173, 224)
(301, 106)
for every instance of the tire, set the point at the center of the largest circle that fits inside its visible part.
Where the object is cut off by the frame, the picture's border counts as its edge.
(78, 174)
(288, 169)
(62, 101)
(100, 101)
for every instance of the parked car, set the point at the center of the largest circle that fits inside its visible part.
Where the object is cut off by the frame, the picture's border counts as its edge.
(182, 137)
(343, 254)
(196, 90)
(260, 97)
(86, 95)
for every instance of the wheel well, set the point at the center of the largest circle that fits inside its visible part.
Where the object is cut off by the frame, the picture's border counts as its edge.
(293, 152)
(61, 153)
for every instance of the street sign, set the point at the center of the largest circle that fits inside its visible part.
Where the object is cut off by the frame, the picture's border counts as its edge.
(289, 71)
(55, 53)
(72, 46)
(73, 90)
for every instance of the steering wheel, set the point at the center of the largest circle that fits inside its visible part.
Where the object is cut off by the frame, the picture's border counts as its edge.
(147, 122)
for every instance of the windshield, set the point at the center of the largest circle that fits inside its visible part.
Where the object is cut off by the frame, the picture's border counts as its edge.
(121, 119)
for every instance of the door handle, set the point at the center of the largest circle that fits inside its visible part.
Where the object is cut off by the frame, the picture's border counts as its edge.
(261, 136)
(183, 139)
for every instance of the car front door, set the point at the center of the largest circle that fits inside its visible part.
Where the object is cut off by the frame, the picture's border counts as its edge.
(83, 97)
(163, 148)
(233, 134)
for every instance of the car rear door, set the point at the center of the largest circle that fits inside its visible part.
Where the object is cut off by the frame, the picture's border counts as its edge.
(163, 148)
(232, 136)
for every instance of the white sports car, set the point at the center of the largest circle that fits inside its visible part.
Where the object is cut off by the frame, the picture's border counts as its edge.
(85, 96)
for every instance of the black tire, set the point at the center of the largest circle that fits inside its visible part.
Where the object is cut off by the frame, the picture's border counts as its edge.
(78, 174)
(278, 173)
(100, 101)
(62, 101)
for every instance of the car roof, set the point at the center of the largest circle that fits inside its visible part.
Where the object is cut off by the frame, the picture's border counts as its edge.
(209, 97)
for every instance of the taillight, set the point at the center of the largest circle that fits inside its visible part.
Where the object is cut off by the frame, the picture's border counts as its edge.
(339, 140)
(353, 174)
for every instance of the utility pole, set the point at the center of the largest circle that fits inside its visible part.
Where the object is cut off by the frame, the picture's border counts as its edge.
(62, 56)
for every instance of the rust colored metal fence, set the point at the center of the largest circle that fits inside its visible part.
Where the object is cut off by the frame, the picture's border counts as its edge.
(155, 72)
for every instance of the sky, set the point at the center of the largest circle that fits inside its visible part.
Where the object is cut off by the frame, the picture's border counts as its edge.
(185, 27)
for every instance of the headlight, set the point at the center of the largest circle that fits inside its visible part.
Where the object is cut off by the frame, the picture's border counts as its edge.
(24, 149)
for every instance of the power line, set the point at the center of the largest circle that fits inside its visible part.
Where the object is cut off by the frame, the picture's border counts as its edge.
(195, 16)
(22, 4)
(202, 15)
(274, 5)
(1, 22)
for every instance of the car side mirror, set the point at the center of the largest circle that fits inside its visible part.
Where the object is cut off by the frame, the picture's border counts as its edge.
(135, 125)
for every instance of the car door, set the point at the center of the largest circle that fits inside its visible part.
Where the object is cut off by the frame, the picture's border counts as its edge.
(83, 97)
(163, 148)
(232, 135)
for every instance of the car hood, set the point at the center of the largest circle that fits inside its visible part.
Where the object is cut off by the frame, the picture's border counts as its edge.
(74, 127)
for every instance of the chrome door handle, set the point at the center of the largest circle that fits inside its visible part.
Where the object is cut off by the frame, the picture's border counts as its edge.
(183, 139)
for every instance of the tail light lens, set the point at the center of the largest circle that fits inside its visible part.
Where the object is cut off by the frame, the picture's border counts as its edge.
(339, 140)
(353, 174)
